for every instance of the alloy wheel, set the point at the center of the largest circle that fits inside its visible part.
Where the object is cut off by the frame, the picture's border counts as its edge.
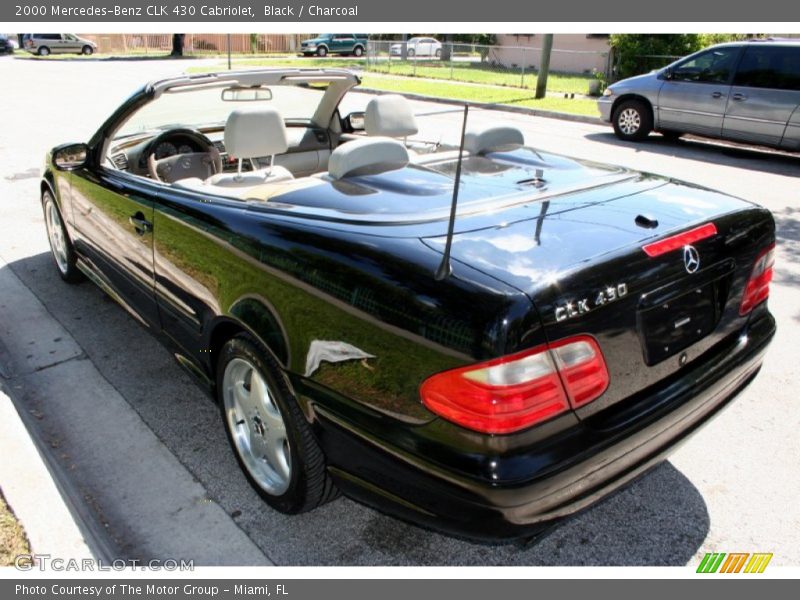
(58, 240)
(629, 121)
(257, 426)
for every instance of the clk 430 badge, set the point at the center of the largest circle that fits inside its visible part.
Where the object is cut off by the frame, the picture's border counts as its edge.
(581, 307)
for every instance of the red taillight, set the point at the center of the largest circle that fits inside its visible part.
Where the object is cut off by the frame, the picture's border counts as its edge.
(679, 241)
(757, 288)
(520, 390)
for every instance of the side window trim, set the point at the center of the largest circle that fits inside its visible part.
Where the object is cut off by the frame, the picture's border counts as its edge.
(737, 59)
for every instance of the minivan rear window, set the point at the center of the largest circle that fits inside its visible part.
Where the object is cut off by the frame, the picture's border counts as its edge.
(776, 67)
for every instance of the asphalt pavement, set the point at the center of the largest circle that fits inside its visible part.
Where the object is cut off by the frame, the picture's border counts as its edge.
(146, 447)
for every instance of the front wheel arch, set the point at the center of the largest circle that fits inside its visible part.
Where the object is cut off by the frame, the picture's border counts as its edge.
(252, 317)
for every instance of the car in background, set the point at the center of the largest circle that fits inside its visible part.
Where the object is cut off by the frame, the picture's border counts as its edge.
(418, 46)
(335, 43)
(7, 45)
(44, 44)
(743, 91)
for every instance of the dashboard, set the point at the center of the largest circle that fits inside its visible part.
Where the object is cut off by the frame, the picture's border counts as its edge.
(308, 152)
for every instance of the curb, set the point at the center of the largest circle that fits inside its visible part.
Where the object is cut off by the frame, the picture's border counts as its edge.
(534, 112)
(96, 540)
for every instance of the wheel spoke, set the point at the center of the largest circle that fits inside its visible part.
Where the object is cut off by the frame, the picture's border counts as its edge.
(257, 426)
(276, 454)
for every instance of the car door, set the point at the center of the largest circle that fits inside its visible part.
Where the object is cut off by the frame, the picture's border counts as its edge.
(192, 266)
(52, 41)
(70, 43)
(424, 47)
(61, 43)
(348, 43)
(112, 214)
(764, 95)
(694, 94)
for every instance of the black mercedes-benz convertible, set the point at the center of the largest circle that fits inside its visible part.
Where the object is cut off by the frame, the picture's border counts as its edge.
(479, 338)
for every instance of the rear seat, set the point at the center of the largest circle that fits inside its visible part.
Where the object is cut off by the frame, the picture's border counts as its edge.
(479, 141)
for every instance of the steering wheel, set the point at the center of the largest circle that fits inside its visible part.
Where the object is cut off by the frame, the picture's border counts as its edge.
(202, 164)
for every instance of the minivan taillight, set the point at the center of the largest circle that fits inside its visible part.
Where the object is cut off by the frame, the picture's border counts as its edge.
(514, 392)
(757, 288)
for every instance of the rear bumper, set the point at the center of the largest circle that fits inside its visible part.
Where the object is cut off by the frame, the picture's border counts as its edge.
(612, 453)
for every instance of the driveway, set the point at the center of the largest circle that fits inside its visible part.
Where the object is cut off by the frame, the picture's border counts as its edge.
(733, 487)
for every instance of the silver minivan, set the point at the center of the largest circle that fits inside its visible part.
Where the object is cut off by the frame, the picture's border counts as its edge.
(45, 44)
(741, 91)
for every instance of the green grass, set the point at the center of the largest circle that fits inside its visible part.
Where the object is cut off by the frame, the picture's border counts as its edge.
(478, 93)
(483, 73)
(475, 72)
(470, 92)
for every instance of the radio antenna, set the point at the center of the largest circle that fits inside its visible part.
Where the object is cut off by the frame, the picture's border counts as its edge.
(445, 268)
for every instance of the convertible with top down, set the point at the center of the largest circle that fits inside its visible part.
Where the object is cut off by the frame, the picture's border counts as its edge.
(480, 338)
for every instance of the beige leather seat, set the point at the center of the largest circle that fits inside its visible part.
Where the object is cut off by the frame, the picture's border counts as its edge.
(250, 133)
(390, 116)
(367, 156)
(479, 141)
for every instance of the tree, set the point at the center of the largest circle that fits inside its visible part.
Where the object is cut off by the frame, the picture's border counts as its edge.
(635, 54)
(177, 44)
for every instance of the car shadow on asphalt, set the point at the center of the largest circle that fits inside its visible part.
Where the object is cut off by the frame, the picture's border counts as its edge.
(659, 519)
(720, 153)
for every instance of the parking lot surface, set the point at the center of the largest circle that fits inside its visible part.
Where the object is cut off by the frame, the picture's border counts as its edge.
(731, 488)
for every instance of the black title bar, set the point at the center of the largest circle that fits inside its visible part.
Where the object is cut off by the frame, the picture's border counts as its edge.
(387, 11)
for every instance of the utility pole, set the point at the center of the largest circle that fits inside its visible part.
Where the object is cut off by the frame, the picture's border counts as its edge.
(544, 67)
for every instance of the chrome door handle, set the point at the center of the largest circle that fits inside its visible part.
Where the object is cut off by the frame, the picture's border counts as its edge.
(140, 224)
(739, 97)
(716, 94)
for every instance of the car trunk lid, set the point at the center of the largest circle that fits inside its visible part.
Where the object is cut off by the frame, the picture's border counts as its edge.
(584, 266)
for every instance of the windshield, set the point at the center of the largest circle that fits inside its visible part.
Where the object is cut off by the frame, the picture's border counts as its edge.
(205, 107)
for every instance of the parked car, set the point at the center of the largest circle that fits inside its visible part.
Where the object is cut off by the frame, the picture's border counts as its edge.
(7, 45)
(418, 46)
(45, 44)
(335, 43)
(743, 91)
(576, 323)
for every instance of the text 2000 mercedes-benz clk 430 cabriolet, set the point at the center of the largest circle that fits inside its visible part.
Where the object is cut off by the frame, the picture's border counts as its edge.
(480, 339)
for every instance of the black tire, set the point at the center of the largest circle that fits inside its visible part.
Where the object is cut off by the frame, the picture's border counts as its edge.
(310, 485)
(671, 136)
(87, 50)
(411, 53)
(438, 53)
(633, 120)
(43, 51)
(358, 51)
(322, 52)
(67, 267)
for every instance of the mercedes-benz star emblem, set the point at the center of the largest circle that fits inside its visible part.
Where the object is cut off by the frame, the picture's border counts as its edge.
(691, 259)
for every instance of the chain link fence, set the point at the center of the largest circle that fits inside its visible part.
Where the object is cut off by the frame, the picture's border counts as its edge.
(571, 71)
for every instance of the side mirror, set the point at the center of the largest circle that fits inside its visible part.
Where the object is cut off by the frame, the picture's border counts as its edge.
(356, 121)
(70, 156)
(667, 73)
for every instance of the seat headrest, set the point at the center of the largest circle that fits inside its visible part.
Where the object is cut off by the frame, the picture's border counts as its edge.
(391, 116)
(493, 138)
(375, 155)
(255, 132)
